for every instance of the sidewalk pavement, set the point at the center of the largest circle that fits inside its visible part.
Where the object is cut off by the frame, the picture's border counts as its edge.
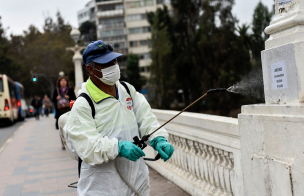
(32, 163)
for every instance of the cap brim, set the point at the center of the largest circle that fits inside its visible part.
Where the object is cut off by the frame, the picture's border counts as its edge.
(107, 58)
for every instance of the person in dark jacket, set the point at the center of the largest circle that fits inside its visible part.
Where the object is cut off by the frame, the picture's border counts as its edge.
(62, 96)
(36, 103)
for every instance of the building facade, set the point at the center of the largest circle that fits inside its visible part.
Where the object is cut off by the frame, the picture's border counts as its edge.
(123, 23)
(87, 13)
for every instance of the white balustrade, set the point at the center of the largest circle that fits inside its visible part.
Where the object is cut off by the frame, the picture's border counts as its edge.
(205, 148)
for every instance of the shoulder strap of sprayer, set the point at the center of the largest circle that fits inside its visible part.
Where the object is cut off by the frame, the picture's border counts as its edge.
(89, 100)
(126, 87)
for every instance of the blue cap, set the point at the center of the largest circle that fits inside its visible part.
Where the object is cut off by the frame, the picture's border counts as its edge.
(102, 58)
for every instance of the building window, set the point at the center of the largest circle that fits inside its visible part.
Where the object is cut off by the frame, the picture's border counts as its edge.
(119, 45)
(144, 69)
(148, 2)
(144, 42)
(144, 56)
(136, 17)
(112, 33)
(110, 7)
(133, 43)
(112, 22)
(114, 39)
(139, 30)
(135, 4)
(139, 43)
(163, 1)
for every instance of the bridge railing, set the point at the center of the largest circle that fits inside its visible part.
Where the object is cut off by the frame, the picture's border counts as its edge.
(206, 160)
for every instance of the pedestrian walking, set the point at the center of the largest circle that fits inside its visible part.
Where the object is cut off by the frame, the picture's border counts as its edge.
(46, 105)
(36, 103)
(62, 96)
(120, 114)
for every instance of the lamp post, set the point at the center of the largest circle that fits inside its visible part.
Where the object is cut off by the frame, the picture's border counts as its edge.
(61, 73)
(77, 59)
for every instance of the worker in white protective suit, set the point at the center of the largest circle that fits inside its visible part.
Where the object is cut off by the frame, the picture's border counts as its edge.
(119, 117)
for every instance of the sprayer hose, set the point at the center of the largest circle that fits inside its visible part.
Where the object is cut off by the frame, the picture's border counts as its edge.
(123, 178)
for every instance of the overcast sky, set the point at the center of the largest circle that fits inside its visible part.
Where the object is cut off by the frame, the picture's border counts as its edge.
(17, 15)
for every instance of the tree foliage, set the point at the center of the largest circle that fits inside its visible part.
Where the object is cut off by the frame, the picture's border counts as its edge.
(199, 47)
(133, 76)
(260, 20)
(162, 54)
(40, 52)
(88, 31)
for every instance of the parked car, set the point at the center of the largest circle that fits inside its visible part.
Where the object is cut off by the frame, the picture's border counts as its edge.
(30, 111)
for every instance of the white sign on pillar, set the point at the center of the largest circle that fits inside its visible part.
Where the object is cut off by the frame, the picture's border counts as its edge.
(281, 2)
(279, 76)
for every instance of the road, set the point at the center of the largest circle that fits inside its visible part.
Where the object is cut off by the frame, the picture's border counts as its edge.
(7, 131)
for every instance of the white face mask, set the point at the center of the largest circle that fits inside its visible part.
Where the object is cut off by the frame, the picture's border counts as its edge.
(110, 75)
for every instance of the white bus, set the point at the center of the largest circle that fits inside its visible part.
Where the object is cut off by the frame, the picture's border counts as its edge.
(22, 107)
(8, 100)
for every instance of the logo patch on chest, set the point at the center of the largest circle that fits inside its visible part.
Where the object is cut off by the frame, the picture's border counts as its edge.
(129, 103)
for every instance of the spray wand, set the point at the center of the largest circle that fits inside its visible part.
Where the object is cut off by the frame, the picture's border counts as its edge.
(142, 143)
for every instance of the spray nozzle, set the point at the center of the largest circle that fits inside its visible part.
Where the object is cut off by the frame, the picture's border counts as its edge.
(216, 90)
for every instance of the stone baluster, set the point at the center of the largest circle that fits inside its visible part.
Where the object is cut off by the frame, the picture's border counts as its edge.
(175, 154)
(179, 156)
(191, 161)
(212, 170)
(199, 166)
(207, 161)
(232, 175)
(216, 167)
(186, 153)
(183, 157)
(222, 164)
(227, 170)
(225, 164)
(197, 156)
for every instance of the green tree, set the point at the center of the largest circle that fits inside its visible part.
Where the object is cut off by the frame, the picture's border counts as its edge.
(244, 35)
(261, 19)
(133, 75)
(42, 52)
(186, 19)
(162, 54)
(88, 31)
(5, 61)
(197, 49)
(221, 56)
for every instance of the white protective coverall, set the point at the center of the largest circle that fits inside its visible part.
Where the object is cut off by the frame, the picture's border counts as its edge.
(96, 142)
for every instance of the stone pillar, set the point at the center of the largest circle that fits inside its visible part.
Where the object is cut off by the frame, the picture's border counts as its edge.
(77, 59)
(272, 134)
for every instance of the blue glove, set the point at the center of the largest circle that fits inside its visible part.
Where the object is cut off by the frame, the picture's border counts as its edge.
(129, 150)
(164, 148)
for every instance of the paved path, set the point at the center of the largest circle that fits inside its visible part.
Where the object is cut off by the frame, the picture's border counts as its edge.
(7, 131)
(33, 164)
